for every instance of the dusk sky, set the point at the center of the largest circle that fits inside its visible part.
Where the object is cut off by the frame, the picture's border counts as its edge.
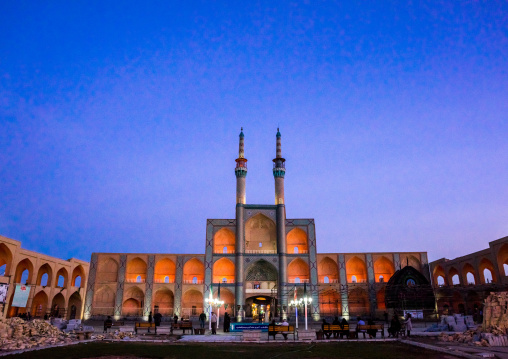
(119, 122)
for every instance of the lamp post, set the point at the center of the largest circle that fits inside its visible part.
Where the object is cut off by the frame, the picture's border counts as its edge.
(306, 300)
(295, 303)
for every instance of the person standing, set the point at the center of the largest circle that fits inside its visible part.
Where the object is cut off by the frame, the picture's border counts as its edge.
(150, 319)
(409, 325)
(214, 323)
(157, 319)
(202, 318)
(227, 321)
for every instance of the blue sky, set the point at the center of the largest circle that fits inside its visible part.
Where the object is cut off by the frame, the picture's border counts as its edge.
(119, 122)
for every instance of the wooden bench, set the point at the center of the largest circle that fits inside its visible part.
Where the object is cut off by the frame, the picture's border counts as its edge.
(336, 329)
(183, 326)
(114, 325)
(365, 327)
(281, 329)
(146, 326)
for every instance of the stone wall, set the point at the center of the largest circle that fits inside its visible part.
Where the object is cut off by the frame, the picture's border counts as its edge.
(495, 312)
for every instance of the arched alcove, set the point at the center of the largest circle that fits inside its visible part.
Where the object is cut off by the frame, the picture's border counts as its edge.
(58, 308)
(133, 298)
(78, 272)
(329, 303)
(136, 267)
(358, 301)
(469, 274)
(192, 303)
(62, 278)
(327, 268)
(296, 241)
(163, 301)
(355, 267)
(193, 268)
(104, 301)
(260, 234)
(224, 239)
(298, 269)
(502, 258)
(40, 305)
(439, 272)
(224, 268)
(5, 259)
(24, 272)
(487, 271)
(107, 270)
(74, 306)
(383, 268)
(453, 275)
(165, 271)
(44, 275)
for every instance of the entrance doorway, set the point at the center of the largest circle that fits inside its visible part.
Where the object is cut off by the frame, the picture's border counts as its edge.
(261, 308)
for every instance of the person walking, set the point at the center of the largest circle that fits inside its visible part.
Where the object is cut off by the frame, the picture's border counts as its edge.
(409, 325)
(214, 323)
(202, 318)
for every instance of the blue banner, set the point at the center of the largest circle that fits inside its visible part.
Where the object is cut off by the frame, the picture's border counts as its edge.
(240, 327)
(21, 295)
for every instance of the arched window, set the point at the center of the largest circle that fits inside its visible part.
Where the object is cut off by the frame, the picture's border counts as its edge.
(326, 279)
(440, 280)
(353, 279)
(61, 281)
(44, 279)
(24, 276)
(455, 279)
(297, 280)
(487, 274)
(505, 266)
(138, 279)
(470, 278)
(224, 280)
(166, 279)
(77, 281)
(296, 249)
(260, 244)
(381, 279)
(195, 280)
(225, 250)
(2, 269)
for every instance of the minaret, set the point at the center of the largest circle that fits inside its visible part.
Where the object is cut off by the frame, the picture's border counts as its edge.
(279, 171)
(241, 173)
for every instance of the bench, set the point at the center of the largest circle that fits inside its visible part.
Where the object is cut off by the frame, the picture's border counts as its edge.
(146, 326)
(114, 325)
(401, 331)
(363, 328)
(183, 326)
(336, 329)
(281, 329)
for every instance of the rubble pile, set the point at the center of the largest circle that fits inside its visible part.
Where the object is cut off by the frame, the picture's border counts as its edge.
(16, 334)
(471, 337)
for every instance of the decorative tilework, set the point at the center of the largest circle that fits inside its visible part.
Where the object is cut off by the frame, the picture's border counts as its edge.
(396, 261)
(180, 260)
(343, 287)
(149, 285)
(119, 289)
(90, 286)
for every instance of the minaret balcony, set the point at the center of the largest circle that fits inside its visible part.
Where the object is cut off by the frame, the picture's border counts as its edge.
(279, 172)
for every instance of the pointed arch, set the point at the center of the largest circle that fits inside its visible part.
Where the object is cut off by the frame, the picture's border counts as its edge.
(224, 238)
(330, 303)
(453, 276)
(74, 306)
(132, 301)
(5, 259)
(296, 241)
(192, 303)
(163, 301)
(193, 271)
(62, 278)
(439, 272)
(356, 267)
(78, 271)
(165, 267)
(136, 267)
(298, 268)
(46, 270)
(40, 305)
(24, 265)
(223, 268)
(58, 308)
(383, 268)
(487, 271)
(260, 234)
(104, 301)
(502, 259)
(327, 268)
(469, 274)
(107, 270)
(411, 260)
(358, 301)
(228, 298)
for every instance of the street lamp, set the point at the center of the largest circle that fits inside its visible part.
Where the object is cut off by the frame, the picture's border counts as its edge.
(213, 302)
(305, 300)
(295, 303)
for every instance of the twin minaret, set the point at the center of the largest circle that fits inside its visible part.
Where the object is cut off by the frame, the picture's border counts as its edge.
(279, 170)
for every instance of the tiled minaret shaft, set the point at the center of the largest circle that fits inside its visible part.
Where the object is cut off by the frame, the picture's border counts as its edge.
(241, 174)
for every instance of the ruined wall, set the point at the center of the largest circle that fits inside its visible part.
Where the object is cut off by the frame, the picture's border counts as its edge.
(495, 311)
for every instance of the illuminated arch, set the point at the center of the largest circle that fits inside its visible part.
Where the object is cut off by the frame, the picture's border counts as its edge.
(40, 305)
(192, 303)
(357, 268)
(439, 272)
(224, 238)
(486, 265)
(164, 300)
(327, 268)
(383, 267)
(108, 270)
(223, 268)
(136, 267)
(193, 268)
(165, 268)
(298, 269)
(133, 298)
(469, 274)
(296, 238)
(260, 233)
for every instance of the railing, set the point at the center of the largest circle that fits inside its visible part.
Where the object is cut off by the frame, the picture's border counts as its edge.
(257, 290)
(171, 280)
(135, 280)
(301, 281)
(193, 281)
(222, 282)
(330, 281)
(188, 312)
(260, 251)
(358, 281)
(221, 251)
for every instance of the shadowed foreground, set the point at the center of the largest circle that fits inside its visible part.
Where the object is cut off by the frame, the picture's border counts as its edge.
(224, 351)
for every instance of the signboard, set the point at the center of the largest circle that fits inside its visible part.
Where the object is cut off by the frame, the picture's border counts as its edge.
(240, 327)
(21, 295)
(415, 314)
(3, 292)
